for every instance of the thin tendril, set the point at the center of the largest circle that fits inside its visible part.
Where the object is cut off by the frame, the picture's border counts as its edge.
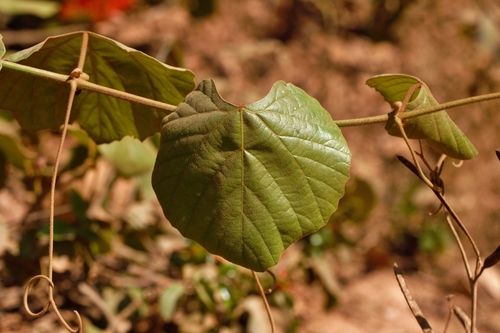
(275, 282)
(48, 278)
(266, 304)
(26, 293)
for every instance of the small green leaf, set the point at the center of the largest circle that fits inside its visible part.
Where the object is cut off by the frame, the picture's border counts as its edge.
(62, 230)
(130, 156)
(440, 132)
(248, 181)
(39, 104)
(168, 300)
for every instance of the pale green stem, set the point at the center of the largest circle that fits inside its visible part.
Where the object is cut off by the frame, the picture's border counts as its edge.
(412, 114)
(85, 85)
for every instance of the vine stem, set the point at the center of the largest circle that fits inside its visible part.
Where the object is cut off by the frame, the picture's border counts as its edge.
(48, 277)
(264, 299)
(399, 108)
(73, 88)
(85, 85)
(412, 114)
(473, 277)
(460, 225)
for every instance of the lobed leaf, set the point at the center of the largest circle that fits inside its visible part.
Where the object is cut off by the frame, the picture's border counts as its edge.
(40, 104)
(440, 132)
(248, 181)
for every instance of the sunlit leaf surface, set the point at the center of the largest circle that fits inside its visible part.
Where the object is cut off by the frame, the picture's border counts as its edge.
(440, 132)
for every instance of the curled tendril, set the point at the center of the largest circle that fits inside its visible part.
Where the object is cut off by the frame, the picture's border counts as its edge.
(26, 293)
(275, 282)
(75, 75)
(49, 303)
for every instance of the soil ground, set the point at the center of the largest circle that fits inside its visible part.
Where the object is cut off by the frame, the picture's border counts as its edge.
(330, 49)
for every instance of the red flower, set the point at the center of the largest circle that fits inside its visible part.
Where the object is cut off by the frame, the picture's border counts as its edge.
(94, 10)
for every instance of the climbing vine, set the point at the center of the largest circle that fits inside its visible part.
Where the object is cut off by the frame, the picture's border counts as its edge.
(244, 181)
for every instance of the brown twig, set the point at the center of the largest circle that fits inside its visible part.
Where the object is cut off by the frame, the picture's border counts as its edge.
(415, 309)
(449, 298)
(464, 319)
(472, 276)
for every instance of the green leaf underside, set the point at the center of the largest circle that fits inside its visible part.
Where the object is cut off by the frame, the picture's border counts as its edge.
(246, 182)
(439, 131)
(39, 104)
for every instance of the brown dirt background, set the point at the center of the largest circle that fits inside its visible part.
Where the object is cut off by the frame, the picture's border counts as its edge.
(329, 49)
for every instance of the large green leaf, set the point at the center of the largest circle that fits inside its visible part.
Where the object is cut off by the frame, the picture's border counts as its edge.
(247, 181)
(440, 132)
(40, 104)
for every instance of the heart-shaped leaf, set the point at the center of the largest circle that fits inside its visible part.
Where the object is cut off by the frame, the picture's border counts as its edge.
(40, 104)
(440, 132)
(247, 181)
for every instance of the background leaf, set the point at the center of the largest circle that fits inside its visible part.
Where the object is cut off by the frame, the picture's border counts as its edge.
(40, 8)
(168, 300)
(11, 146)
(40, 104)
(246, 182)
(440, 132)
(130, 156)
